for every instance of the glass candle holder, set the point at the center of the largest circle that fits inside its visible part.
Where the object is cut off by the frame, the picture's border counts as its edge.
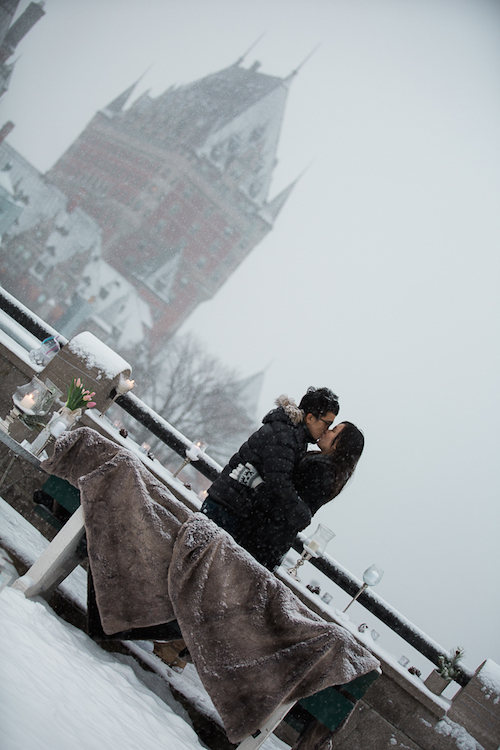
(46, 351)
(371, 577)
(31, 400)
(123, 386)
(314, 546)
(62, 420)
(192, 454)
(316, 543)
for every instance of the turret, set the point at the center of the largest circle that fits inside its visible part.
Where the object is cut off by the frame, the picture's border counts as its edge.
(117, 105)
(10, 36)
(19, 29)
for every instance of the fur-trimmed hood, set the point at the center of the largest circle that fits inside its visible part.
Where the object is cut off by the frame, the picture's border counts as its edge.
(290, 408)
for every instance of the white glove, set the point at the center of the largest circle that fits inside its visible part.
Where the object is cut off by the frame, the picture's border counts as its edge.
(247, 474)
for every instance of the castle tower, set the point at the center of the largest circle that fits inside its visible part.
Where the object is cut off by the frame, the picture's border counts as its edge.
(11, 35)
(179, 184)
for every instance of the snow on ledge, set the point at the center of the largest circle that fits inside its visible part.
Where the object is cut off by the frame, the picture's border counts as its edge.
(97, 355)
(27, 543)
(463, 740)
(489, 677)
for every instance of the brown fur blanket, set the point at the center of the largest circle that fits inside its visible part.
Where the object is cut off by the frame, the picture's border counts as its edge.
(254, 644)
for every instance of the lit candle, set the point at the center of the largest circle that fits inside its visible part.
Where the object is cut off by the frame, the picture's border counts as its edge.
(313, 545)
(124, 385)
(27, 402)
(195, 449)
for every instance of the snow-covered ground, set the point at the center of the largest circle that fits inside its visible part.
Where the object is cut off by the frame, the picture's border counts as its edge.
(59, 690)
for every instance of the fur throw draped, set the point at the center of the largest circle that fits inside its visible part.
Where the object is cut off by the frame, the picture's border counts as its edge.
(253, 643)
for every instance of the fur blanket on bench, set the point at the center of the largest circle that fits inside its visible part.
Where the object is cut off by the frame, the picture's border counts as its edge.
(253, 642)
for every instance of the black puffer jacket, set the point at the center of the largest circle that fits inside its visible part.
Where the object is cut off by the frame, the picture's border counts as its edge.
(314, 478)
(270, 533)
(275, 450)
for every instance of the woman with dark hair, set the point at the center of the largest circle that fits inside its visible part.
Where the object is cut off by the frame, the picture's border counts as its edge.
(323, 474)
(318, 478)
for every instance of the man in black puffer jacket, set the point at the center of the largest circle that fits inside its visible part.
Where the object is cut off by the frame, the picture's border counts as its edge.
(274, 451)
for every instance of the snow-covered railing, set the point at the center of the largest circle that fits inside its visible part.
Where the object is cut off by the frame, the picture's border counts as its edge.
(25, 317)
(382, 610)
(175, 440)
(140, 411)
(166, 433)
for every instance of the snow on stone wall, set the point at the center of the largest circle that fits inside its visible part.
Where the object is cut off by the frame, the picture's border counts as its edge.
(97, 355)
(489, 676)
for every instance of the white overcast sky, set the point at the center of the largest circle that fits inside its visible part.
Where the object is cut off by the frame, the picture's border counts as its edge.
(380, 278)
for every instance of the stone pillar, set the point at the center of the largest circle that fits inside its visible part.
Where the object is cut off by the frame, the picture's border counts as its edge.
(87, 358)
(476, 707)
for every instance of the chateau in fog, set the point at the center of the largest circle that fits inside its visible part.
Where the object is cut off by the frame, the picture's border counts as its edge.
(169, 194)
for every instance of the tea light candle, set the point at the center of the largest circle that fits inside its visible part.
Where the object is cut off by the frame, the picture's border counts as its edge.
(194, 451)
(124, 385)
(27, 402)
(313, 545)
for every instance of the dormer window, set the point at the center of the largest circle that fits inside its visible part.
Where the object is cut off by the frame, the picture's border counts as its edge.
(216, 152)
(255, 188)
(233, 144)
(257, 133)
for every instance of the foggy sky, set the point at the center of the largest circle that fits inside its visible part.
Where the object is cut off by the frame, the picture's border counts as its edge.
(380, 278)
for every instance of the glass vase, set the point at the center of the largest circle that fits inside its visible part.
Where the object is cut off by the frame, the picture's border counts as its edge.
(62, 420)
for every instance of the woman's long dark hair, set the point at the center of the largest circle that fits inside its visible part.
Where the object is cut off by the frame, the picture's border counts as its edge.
(320, 477)
(348, 449)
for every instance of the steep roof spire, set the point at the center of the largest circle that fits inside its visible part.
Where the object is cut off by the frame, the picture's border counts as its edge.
(301, 65)
(272, 209)
(240, 59)
(117, 105)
